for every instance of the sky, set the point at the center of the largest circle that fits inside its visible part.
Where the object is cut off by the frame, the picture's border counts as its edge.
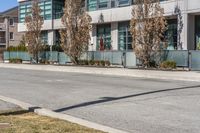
(6, 4)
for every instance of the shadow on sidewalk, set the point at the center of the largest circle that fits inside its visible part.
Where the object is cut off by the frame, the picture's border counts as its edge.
(109, 99)
(13, 112)
(18, 111)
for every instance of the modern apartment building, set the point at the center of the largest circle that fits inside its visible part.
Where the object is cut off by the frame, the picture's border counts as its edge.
(9, 35)
(110, 22)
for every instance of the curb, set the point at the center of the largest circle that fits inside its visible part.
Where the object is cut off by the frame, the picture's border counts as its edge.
(179, 76)
(49, 113)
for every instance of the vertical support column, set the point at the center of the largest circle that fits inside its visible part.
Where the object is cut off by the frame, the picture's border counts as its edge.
(184, 33)
(51, 37)
(191, 32)
(7, 34)
(114, 35)
(93, 38)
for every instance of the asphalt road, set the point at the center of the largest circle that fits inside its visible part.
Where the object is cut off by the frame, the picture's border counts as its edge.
(130, 104)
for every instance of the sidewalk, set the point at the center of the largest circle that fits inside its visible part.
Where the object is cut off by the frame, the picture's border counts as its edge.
(7, 106)
(168, 75)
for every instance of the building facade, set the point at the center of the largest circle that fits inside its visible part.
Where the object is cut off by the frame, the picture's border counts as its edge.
(9, 35)
(111, 18)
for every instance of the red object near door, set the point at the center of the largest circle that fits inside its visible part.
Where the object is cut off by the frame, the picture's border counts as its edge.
(101, 44)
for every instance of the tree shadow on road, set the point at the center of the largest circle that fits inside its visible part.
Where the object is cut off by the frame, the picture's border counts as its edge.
(109, 99)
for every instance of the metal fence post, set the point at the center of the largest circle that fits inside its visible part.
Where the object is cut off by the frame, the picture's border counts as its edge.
(189, 60)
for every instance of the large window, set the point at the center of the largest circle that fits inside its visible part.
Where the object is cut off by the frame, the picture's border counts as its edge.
(124, 36)
(103, 4)
(44, 37)
(171, 34)
(57, 37)
(58, 6)
(91, 5)
(25, 7)
(197, 32)
(123, 2)
(104, 37)
(23, 11)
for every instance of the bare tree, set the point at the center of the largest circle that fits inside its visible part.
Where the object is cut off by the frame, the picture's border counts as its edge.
(178, 12)
(75, 35)
(147, 28)
(34, 22)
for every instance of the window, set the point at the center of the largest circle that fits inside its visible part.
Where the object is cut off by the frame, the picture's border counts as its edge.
(103, 4)
(11, 36)
(44, 37)
(91, 5)
(124, 36)
(25, 7)
(197, 32)
(123, 2)
(23, 11)
(171, 34)
(104, 35)
(11, 21)
(57, 37)
(58, 9)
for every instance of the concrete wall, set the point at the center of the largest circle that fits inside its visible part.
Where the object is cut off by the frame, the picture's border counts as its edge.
(48, 25)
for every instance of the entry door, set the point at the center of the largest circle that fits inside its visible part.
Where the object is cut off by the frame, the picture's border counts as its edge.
(198, 41)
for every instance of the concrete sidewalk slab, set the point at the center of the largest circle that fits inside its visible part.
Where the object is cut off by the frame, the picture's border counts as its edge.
(167, 75)
(7, 106)
(47, 112)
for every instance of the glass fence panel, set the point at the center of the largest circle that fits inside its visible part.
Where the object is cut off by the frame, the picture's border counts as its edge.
(195, 60)
(181, 57)
(130, 59)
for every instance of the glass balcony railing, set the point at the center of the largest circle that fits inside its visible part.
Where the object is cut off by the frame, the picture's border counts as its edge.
(93, 5)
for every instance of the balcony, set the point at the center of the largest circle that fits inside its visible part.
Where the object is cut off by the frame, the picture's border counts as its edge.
(2, 27)
(2, 40)
(124, 13)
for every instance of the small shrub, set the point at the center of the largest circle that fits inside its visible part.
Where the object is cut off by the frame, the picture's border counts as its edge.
(91, 62)
(102, 63)
(107, 63)
(46, 62)
(15, 60)
(97, 62)
(94, 62)
(43, 61)
(83, 62)
(153, 63)
(21, 48)
(168, 65)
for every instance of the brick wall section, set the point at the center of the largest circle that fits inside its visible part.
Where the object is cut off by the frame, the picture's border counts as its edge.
(17, 36)
(6, 16)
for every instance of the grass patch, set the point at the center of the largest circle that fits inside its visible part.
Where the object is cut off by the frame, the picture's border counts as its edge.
(21, 121)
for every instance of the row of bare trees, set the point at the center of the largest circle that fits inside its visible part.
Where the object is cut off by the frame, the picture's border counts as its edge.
(147, 27)
(75, 35)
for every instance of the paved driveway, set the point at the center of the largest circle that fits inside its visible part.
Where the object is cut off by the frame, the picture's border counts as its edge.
(130, 104)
